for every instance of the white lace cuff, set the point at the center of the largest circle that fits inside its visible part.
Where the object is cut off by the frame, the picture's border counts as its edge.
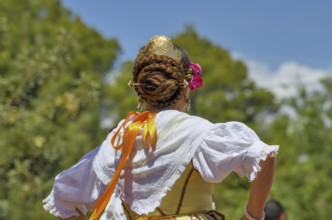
(59, 210)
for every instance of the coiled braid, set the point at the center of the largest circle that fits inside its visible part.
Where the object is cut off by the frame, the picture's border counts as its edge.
(160, 77)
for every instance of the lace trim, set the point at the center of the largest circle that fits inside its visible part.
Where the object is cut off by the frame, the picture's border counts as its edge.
(51, 207)
(264, 152)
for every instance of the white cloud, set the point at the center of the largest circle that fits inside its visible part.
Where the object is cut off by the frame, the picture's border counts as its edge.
(284, 81)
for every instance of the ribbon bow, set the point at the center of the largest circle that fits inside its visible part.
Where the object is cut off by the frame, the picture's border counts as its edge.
(144, 120)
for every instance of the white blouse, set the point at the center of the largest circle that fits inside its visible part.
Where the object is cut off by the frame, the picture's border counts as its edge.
(215, 149)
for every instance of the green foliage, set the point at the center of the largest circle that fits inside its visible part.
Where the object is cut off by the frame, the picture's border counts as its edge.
(122, 98)
(53, 94)
(52, 68)
(304, 171)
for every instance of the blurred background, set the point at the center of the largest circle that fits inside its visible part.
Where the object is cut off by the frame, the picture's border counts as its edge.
(65, 65)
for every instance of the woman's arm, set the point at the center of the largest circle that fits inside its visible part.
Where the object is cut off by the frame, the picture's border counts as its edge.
(260, 188)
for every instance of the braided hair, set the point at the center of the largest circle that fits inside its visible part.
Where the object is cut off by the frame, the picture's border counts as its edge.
(160, 78)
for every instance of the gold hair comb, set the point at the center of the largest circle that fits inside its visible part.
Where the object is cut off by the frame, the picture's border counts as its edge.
(132, 84)
(162, 45)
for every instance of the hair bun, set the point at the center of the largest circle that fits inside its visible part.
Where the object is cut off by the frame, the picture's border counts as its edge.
(161, 78)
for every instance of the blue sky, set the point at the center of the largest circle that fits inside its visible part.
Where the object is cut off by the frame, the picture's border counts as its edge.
(270, 36)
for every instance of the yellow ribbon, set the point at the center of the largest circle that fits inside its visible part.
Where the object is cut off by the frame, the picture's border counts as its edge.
(143, 120)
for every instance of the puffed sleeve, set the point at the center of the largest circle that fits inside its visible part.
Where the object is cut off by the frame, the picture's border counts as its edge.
(231, 147)
(75, 188)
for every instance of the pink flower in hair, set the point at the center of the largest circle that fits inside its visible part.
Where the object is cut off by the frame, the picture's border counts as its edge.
(196, 80)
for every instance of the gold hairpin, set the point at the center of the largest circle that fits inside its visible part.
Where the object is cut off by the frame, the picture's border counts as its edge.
(161, 45)
(184, 83)
(131, 84)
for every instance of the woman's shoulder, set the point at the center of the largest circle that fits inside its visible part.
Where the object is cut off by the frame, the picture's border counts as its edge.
(188, 118)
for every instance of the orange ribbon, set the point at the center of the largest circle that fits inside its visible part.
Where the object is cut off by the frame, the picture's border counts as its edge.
(143, 120)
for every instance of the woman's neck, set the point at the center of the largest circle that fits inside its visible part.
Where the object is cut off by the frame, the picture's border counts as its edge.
(179, 106)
